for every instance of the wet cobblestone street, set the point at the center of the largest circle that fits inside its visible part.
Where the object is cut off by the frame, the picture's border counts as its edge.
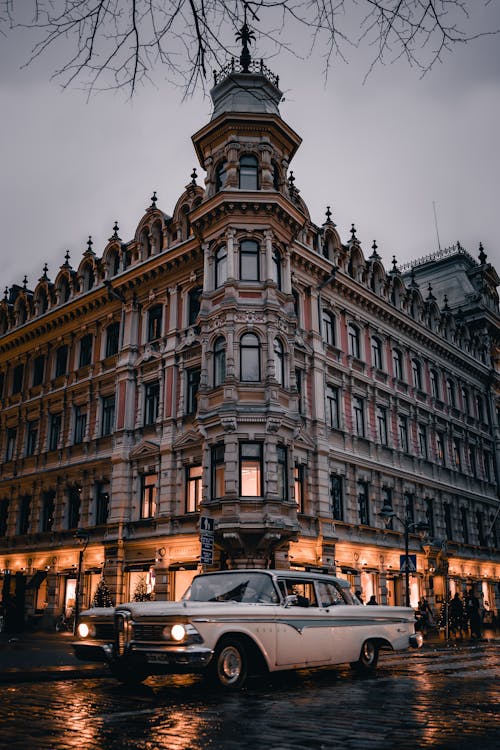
(435, 700)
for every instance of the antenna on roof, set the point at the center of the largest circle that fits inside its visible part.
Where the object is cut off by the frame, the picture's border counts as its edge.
(436, 224)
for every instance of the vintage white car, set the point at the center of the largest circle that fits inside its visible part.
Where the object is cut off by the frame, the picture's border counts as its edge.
(233, 623)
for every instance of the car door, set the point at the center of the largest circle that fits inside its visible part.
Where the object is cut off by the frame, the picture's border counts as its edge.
(302, 631)
(345, 629)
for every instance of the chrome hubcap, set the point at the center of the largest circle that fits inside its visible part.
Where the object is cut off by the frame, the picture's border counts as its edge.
(230, 664)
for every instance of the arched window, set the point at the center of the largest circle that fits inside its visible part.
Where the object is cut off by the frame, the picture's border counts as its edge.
(250, 358)
(88, 278)
(220, 266)
(276, 268)
(220, 176)
(416, 373)
(397, 362)
(64, 290)
(249, 172)
(155, 316)
(194, 299)
(219, 361)
(145, 244)
(353, 339)
(450, 392)
(249, 260)
(279, 362)
(114, 262)
(376, 353)
(435, 389)
(276, 176)
(328, 322)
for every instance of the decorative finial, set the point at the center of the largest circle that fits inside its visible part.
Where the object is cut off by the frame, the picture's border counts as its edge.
(115, 231)
(430, 297)
(25, 283)
(375, 255)
(45, 269)
(66, 259)
(153, 200)
(245, 36)
(6, 294)
(193, 177)
(395, 268)
(482, 254)
(353, 233)
(89, 250)
(413, 282)
(445, 306)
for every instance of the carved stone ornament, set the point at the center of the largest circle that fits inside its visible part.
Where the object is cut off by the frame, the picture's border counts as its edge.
(273, 425)
(251, 316)
(229, 424)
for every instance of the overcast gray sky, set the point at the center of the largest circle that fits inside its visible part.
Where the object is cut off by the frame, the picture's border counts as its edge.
(378, 153)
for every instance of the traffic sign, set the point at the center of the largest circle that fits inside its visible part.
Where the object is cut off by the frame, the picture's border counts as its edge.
(206, 524)
(408, 563)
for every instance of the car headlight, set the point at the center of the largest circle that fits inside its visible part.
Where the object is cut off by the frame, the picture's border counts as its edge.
(182, 633)
(175, 632)
(85, 630)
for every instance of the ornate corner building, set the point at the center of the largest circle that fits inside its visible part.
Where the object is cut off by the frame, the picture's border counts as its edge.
(236, 361)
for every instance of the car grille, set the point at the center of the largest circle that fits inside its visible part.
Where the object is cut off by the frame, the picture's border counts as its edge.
(148, 631)
(104, 631)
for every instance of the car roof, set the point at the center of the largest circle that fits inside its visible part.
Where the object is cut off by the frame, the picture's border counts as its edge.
(297, 574)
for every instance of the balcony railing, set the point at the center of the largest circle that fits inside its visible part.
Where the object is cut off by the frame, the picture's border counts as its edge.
(255, 66)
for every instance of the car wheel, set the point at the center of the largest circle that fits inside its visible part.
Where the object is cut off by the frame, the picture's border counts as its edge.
(126, 675)
(368, 657)
(230, 664)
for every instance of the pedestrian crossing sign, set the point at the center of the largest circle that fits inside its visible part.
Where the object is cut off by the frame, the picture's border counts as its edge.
(408, 563)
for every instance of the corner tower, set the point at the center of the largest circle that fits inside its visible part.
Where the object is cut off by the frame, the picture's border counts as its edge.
(246, 223)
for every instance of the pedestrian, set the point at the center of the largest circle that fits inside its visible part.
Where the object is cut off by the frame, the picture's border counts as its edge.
(359, 595)
(475, 617)
(456, 615)
(425, 614)
(372, 599)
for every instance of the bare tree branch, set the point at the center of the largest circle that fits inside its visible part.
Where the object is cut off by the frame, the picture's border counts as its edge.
(118, 44)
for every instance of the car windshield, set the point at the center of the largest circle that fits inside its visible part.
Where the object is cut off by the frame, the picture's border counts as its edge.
(252, 588)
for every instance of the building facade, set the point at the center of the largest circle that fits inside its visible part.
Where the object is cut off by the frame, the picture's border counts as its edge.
(237, 362)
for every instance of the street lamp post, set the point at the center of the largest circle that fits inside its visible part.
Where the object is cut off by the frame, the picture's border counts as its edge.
(83, 537)
(387, 513)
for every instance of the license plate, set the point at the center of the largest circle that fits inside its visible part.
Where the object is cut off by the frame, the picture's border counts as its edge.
(155, 658)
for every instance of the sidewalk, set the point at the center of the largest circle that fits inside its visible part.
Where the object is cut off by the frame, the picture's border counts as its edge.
(32, 657)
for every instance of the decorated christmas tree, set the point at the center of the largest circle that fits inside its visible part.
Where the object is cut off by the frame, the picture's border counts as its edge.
(102, 596)
(141, 593)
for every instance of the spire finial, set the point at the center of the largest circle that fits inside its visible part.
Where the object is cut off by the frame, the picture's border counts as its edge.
(6, 294)
(45, 269)
(153, 200)
(25, 282)
(245, 36)
(445, 306)
(430, 296)
(328, 215)
(193, 177)
(353, 233)
(115, 231)
(89, 250)
(375, 255)
(395, 268)
(66, 258)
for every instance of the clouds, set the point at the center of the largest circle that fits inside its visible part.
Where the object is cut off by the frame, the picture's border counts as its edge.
(378, 153)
